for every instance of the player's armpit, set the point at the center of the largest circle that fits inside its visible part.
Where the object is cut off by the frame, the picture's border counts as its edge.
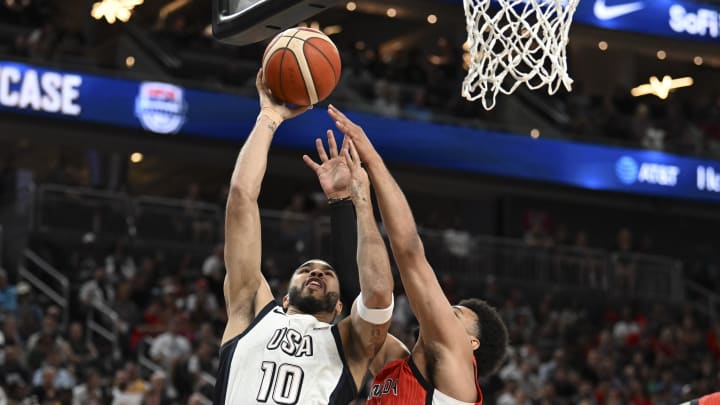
(392, 349)
(361, 341)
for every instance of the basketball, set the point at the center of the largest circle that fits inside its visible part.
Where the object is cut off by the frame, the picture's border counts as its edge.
(301, 66)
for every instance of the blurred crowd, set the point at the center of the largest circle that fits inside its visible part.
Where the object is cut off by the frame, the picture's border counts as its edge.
(170, 317)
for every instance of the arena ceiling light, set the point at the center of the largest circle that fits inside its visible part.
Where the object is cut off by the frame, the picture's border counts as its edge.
(114, 10)
(661, 89)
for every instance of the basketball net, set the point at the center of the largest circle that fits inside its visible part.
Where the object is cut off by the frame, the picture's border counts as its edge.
(516, 42)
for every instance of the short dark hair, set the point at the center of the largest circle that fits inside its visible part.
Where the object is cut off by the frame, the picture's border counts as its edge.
(493, 336)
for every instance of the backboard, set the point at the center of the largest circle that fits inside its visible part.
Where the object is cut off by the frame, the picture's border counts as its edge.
(243, 22)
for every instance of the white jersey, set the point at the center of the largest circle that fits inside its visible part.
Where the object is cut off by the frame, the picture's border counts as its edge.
(284, 359)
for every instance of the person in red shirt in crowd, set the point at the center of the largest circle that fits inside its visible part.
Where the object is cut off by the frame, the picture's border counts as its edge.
(713, 340)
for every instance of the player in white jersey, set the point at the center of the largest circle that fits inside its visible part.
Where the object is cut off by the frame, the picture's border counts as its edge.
(293, 354)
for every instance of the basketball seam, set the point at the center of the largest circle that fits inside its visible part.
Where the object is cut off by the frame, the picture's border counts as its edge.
(297, 61)
(335, 75)
(280, 83)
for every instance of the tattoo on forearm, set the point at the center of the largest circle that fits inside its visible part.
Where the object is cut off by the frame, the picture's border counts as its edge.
(272, 126)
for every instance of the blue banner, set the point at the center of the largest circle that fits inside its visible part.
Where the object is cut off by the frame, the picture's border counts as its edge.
(670, 18)
(680, 19)
(166, 109)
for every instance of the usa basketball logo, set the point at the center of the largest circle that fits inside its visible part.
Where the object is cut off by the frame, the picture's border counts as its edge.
(161, 107)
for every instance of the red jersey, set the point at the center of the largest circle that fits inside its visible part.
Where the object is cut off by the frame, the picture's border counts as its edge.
(712, 399)
(400, 383)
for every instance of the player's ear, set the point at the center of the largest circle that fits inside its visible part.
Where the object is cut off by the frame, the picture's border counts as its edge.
(474, 342)
(338, 308)
(286, 302)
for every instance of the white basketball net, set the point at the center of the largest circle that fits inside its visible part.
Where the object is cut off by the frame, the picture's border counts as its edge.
(515, 42)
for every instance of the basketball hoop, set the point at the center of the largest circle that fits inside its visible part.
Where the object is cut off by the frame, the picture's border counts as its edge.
(516, 42)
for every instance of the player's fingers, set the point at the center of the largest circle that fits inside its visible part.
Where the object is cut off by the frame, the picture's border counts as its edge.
(341, 116)
(354, 153)
(337, 116)
(332, 145)
(311, 163)
(345, 144)
(321, 150)
(348, 161)
(344, 128)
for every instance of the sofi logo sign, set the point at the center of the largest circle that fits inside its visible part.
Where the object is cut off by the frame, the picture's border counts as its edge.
(629, 171)
(704, 22)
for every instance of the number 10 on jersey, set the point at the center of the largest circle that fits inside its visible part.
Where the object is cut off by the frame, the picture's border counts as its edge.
(285, 383)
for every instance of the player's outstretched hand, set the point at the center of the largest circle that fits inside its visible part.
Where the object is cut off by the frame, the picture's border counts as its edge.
(364, 147)
(332, 171)
(360, 184)
(267, 102)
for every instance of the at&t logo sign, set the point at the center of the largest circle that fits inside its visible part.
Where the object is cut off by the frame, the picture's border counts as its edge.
(626, 169)
(629, 172)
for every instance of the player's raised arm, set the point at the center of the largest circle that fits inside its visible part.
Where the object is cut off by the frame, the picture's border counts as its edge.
(431, 307)
(370, 315)
(245, 288)
(334, 177)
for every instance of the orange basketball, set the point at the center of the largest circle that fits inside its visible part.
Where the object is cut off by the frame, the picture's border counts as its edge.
(301, 66)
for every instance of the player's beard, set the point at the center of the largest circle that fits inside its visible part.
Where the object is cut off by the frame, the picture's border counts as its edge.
(312, 305)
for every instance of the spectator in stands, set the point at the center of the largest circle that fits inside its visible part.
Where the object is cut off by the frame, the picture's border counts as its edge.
(170, 347)
(135, 384)
(713, 340)
(203, 360)
(626, 327)
(507, 397)
(193, 218)
(458, 240)
(14, 376)
(81, 352)
(624, 263)
(213, 269)
(97, 290)
(202, 305)
(10, 333)
(418, 110)
(120, 393)
(196, 399)
(64, 378)
(8, 295)
(127, 310)
(157, 394)
(91, 392)
(119, 265)
(48, 392)
(386, 99)
(537, 224)
(45, 341)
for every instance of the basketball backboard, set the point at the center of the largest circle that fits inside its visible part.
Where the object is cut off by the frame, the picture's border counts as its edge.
(243, 22)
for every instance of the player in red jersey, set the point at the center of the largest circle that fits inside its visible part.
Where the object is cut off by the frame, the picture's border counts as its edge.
(712, 399)
(456, 343)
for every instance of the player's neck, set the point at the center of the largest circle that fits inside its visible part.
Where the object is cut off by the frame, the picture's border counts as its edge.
(326, 317)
